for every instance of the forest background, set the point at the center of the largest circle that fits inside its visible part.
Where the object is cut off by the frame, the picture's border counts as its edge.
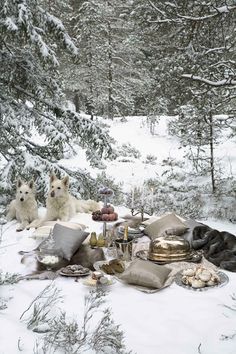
(115, 59)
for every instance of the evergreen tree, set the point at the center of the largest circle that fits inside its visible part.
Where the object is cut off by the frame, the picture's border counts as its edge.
(36, 128)
(104, 79)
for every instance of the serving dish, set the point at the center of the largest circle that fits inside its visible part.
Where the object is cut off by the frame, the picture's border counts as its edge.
(95, 283)
(223, 280)
(193, 256)
(169, 248)
(74, 271)
(98, 266)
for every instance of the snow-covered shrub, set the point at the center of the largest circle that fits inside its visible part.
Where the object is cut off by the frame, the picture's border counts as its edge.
(127, 150)
(150, 159)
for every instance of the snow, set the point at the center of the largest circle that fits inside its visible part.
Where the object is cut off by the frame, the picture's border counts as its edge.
(174, 320)
(161, 145)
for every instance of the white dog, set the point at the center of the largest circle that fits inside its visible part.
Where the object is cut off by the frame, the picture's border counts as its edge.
(61, 204)
(24, 208)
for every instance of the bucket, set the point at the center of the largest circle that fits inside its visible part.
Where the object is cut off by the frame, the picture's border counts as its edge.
(124, 249)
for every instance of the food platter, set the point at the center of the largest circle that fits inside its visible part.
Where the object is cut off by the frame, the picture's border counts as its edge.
(222, 276)
(98, 266)
(92, 283)
(74, 271)
(194, 256)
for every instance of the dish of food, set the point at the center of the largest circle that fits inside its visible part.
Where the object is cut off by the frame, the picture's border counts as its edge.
(98, 281)
(74, 271)
(200, 278)
(111, 267)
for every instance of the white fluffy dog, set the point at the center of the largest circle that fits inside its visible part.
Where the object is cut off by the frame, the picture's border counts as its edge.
(24, 208)
(61, 204)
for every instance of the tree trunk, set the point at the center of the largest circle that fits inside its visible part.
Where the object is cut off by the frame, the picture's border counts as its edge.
(76, 102)
(212, 161)
(90, 99)
(110, 76)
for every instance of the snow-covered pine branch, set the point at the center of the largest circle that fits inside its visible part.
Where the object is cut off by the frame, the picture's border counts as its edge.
(223, 82)
(36, 130)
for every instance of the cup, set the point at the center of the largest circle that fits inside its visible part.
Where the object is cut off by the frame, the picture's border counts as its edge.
(124, 249)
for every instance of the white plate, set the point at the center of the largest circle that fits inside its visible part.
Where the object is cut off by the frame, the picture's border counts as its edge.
(223, 281)
(88, 282)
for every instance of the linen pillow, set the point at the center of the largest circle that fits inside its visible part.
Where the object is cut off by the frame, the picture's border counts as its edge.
(44, 231)
(145, 273)
(167, 225)
(68, 239)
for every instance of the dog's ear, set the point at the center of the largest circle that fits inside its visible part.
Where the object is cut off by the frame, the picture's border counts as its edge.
(19, 183)
(31, 184)
(53, 177)
(65, 181)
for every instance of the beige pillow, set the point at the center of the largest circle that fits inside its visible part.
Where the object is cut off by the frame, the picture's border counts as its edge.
(167, 225)
(68, 239)
(145, 273)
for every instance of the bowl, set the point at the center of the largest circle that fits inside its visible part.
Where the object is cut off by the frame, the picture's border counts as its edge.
(169, 248)
(50, 258)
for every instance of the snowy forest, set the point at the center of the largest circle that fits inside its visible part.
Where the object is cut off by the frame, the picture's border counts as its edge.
(69, 68)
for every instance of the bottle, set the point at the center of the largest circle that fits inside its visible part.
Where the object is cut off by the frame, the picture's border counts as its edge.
(93, 239)
(126, 232)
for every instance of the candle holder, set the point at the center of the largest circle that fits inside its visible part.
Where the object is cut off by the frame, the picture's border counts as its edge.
(142, 211)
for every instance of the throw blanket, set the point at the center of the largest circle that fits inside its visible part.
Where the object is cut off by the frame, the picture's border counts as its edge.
(219, 247)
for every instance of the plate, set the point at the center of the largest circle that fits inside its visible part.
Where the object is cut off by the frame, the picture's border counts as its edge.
(121, 229)
(75, 273)
(89, 282)
(223, 281)
(195, 257)
(97, 266)
(131, 235)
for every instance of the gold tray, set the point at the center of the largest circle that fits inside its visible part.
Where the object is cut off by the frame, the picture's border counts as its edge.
(194, 256)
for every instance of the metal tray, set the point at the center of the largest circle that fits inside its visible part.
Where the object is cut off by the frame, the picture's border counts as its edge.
(223, 281)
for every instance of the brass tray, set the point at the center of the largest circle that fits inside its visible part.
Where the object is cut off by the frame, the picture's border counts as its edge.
(223, 281)
(194, 256)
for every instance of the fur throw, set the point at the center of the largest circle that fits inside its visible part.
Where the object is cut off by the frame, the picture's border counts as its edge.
(85, 256)
(219, 247)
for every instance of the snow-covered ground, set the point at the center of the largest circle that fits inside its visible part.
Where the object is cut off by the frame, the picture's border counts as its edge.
(174, 320)
(135, 131)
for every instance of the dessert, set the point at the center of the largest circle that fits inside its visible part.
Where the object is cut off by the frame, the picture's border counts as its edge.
(103, 280)
(75, 270)
(200, 277)
(107, 213)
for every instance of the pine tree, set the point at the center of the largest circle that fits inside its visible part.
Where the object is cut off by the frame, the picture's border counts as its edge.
(104, 79)
(37, 130)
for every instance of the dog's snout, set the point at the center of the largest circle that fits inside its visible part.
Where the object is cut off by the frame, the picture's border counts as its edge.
(21, 199)
(52, 194)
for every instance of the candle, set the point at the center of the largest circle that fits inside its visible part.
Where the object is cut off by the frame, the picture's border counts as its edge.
(132, 199)
(152, 202)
